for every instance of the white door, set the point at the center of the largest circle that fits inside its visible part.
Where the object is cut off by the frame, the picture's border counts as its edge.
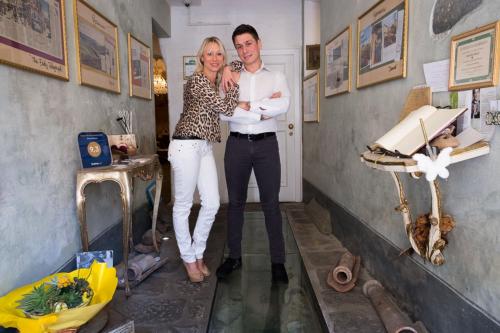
(289, 132)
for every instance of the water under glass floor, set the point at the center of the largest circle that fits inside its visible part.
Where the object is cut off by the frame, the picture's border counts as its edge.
(247, 301)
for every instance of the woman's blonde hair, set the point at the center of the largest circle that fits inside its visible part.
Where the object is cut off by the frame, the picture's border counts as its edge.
(206, 41)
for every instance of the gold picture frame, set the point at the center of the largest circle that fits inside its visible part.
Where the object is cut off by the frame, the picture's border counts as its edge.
(139, 68)
(338, 63)
(188, 66)
(310, 98)
(474, 58)
(35, 40)
(382, 43)
(96, 40)
(313, 56)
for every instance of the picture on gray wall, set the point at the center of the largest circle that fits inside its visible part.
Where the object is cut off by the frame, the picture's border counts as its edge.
(382, 42)
(96, 40)
(33, 36)
(95, 52)
(310, 91)
(139, 68)
(313, 56)
(338, 64)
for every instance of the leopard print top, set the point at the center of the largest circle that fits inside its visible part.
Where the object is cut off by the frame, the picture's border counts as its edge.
(202, 105)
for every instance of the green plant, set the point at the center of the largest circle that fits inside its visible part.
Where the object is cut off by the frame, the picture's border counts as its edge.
(39, 301)
(59, 294)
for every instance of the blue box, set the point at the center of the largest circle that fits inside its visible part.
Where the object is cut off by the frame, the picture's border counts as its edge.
(94, 149)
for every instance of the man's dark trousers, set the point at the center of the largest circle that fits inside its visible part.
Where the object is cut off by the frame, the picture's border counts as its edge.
(263, 156)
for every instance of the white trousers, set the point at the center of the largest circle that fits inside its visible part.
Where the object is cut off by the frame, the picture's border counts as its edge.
(193, 164)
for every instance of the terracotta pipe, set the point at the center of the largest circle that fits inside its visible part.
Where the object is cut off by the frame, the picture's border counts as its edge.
(395, 321)
(342, 274)
(140, 264)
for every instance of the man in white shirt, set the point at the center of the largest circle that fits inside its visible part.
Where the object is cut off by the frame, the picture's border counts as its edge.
(252, 144)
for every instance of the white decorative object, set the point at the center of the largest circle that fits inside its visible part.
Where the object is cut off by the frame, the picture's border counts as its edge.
(433, 168)
(433, 251)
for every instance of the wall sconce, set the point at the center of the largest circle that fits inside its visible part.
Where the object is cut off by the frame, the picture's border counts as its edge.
(159, 77)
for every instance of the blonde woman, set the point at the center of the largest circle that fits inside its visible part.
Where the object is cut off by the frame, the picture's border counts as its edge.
(191, 157)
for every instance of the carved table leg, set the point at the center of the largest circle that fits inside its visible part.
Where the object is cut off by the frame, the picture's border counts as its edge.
(80, 206)
(435, 243)
(405, 212)
(159, 181)
(125, 181)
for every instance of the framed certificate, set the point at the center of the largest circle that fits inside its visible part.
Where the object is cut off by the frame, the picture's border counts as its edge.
(474, 58)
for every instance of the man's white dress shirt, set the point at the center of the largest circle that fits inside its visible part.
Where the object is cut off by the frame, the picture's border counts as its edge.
(257, 89)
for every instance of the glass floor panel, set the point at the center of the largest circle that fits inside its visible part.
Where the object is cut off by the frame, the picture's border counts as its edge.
(247, 301)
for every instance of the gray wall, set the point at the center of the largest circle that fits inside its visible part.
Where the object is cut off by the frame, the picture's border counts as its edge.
(40, 118)
(349, 122)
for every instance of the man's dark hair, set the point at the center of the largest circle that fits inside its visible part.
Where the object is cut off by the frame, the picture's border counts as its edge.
(245, 29)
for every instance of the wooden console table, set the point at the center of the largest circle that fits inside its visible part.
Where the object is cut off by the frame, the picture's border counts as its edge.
(144, 167)
(395, 165)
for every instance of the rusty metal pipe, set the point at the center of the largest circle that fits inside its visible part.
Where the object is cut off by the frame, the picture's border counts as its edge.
(395, 320)
(342, 274)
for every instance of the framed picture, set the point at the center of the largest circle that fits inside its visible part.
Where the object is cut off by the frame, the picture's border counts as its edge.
(474, 58)
(311, 98)
(85, 259)
(382, 42)
(33, 36)
(139, 68)
(313, 56)
(96, 40)
(338, 64)
(189, 66)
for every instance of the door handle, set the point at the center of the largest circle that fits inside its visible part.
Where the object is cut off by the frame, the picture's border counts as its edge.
(290, 126)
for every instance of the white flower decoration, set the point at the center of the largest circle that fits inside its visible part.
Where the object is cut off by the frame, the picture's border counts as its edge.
(434, 168)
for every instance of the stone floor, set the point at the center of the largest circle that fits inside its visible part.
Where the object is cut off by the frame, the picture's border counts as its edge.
(167, 301)
(349, 312)
(247, 301)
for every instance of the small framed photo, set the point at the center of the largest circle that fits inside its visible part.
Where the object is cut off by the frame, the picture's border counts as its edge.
(33, 36)
(189, 66)
(98, 63)
(382, 43)
(311, 98)
(85, 259)
(474, 58)
(313, 56)
(338, 64)
(139, 68)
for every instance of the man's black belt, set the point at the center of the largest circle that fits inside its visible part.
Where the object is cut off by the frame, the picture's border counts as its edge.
(186, 137)
(253, 137)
